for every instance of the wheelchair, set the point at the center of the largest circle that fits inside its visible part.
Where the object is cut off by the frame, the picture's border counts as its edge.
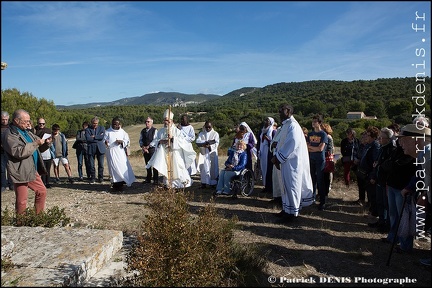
(243, 184)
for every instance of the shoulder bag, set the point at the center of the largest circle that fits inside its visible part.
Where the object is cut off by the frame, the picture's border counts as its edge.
(329, 163)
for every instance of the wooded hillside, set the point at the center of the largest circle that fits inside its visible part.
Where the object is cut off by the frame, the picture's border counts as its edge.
(390, 100)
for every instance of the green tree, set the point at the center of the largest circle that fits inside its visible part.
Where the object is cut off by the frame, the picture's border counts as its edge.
(358, 106)
(13, 99)
(376, 108)
(399, 107)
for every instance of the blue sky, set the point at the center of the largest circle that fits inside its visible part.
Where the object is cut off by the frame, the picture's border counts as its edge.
(84, 52)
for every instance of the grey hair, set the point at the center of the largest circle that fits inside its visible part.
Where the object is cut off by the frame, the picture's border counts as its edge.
(4, 114)
(421, 121)
(388, 132)
(18, 113)
(351, 130)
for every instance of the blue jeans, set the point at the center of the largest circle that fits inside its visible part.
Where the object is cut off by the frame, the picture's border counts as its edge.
(317, 174)
(46, 178)
(225, 176)
(100, 159)
(82, 154)
(381, 203)
(395, 205)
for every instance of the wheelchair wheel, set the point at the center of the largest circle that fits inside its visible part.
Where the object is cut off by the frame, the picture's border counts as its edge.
(235, 186)
(247, 182)
(257, 172)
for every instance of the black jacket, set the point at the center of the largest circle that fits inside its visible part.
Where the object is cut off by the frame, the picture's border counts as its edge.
(384, 165)
(401, 168)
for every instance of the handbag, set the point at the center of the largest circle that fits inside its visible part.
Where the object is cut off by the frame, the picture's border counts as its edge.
(329, 163)
(75, 145)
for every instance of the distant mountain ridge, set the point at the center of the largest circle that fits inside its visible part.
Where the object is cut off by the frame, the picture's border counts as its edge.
(331, 97)
(158, 98)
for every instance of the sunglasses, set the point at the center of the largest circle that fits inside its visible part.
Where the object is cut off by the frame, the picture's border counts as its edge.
(41, 123)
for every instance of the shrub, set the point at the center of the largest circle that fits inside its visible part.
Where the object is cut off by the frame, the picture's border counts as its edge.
(49, 218)
(177, 249)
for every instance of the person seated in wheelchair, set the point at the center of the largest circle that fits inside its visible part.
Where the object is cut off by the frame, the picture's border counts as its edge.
(235, 163)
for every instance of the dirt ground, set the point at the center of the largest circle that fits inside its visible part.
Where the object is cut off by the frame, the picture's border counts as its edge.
(334, 247)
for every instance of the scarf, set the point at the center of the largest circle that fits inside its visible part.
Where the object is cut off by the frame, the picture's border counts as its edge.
(236, 156)
(29, 140)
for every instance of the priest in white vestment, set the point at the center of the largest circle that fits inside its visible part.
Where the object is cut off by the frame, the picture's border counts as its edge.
(173, 157)
(119, 167)
(189, 134)
(208, 162)
(292, 158)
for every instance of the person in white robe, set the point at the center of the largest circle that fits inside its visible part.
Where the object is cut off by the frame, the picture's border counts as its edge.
(246, 134)
(265, 155)
(208, 162)
(189, 134)
(173, 157)
(119, 167)
(292, 158)
(276, 173)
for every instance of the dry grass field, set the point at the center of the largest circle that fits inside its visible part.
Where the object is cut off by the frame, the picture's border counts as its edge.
(334, 247)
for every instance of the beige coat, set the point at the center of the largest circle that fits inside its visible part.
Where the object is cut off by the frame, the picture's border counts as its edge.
(20, 165)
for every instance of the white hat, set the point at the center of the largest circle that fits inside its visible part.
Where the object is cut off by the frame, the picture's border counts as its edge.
(414, 130)
(168, 112)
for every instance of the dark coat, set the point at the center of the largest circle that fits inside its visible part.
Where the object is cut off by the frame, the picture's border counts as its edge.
(97, 142)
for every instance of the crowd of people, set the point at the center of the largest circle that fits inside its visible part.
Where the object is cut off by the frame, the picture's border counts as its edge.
(390, 163)
(385, 160)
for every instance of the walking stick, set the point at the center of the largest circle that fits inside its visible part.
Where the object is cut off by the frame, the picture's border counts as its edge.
(169, 149)
(396, 233)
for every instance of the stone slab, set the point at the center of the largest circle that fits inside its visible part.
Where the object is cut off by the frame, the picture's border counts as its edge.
(56, 256)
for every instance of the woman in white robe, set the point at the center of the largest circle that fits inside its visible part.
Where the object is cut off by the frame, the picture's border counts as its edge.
(119, 167)
(246, 134)
(266, 136)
